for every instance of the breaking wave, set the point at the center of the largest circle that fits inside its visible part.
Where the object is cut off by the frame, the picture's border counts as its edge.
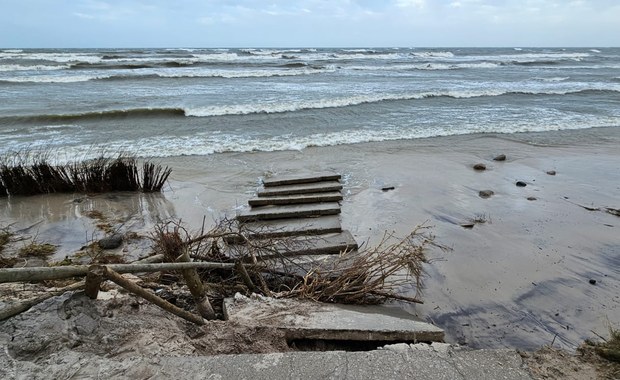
(294, 70)
(281, 107)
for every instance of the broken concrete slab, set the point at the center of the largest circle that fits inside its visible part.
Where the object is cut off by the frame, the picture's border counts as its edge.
(290, 211)
(301, 178)
(295, 199)
(318, 321)
(305, 188)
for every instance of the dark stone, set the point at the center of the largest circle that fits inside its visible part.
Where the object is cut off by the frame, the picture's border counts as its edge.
(551, 172)
(480, 167)
(521, 184)
(485, 193)
(592, 282)
(388, 188)
(531, 198)
(501, 157)
(111, 242)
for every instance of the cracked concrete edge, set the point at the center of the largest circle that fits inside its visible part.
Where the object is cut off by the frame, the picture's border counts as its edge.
(413, 361)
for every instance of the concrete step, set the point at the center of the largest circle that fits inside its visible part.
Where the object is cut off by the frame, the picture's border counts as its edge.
(329, 244)
(266, 229)
(330, 265)
(318, 321)
(320, 245)
(295, 199)
(297, 179)
(289, 211)
(304, 188)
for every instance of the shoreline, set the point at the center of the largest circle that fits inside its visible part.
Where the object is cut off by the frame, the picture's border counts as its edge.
(519, 280)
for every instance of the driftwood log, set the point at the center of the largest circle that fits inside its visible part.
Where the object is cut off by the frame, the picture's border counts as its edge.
(56, 273)
(94, 278)
(194, 283)
(20, 307)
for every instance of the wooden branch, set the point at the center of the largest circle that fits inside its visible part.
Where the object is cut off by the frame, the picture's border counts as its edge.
(21, 306)
(194, 283)
(243, 273)
(151, 259)
(55, 273)
(113, 276)
(397, 297)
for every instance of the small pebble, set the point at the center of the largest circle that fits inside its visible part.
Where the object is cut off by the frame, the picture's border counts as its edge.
(531, 198)
(501, 157)
(388, 188)
(592, 282)
(521, 184)
(551, 172)
(480, 167)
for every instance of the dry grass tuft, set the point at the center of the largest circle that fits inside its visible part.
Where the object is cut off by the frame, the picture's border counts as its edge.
(103, 224)
(610, 349)
(168, 241)
(5, 238)
(37, 249)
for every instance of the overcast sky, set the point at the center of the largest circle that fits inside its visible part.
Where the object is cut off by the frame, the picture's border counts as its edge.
(308, 23)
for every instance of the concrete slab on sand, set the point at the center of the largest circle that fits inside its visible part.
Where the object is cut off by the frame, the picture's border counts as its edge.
(334, 196)
(318, 321)
(293, 227)
(328, 244)
(290, 211)
(304, 188)
(297, 179)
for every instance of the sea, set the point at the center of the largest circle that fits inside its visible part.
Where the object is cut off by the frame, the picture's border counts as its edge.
(81, 103)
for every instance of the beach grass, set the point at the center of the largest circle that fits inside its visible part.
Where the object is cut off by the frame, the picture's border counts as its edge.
(154, 177)
(610, 349)
(24, 175)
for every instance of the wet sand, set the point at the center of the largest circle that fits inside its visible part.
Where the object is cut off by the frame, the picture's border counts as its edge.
(521, 279)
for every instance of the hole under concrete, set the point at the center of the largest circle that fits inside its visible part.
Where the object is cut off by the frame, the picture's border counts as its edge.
(341, 345)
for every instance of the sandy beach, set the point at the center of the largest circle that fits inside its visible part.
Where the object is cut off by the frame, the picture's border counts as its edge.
(537, 267)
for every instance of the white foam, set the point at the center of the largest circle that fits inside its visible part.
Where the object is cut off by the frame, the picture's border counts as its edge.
(53, 78)
(425, 66)
(595, 50)
(53, 57)
(434, 54)
(553, 79)
(32, 67)
(359, 50)
(167, 73)
(534, 57)
(207, 73)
